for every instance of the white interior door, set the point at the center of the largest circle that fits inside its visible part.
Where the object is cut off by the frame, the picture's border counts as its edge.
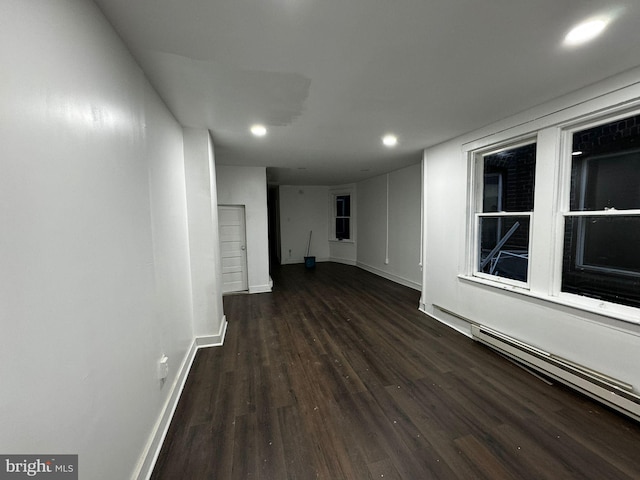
(233, 248)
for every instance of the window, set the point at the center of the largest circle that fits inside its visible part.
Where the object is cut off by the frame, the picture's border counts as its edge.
(343, 217)
(504, 204)
(602, 226)
(554, 209)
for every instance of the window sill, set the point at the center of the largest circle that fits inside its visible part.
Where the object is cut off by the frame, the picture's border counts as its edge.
(606, 309)
(335, 240)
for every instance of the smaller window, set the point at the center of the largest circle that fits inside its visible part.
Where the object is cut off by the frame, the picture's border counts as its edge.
(504, 205)
(343, 217)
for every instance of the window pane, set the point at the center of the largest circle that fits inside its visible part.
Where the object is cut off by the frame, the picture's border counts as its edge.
(342, 228)
(605, 171)
(343, 206)
(611, 242)
(492, 192)
(601, 258)
(509, 180)
(504, 247)
(600, 252)
(610, 181)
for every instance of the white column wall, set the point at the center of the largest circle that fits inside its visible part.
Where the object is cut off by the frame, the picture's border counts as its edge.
(204, 241)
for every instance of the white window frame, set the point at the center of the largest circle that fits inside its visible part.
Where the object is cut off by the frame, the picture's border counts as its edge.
(564, 211)
(553, 136)
(477, 196)
(603, 213)
(333, 195)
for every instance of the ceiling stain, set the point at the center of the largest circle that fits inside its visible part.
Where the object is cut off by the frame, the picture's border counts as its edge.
(271, 98)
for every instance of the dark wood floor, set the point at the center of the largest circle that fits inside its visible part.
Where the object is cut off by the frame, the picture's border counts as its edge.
(336, 375)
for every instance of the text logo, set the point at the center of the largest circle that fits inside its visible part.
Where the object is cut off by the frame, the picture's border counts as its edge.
(45, 467)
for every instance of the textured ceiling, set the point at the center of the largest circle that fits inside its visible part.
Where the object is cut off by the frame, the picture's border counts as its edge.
(329, 78)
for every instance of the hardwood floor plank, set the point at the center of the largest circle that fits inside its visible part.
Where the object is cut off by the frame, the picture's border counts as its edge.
(270, 450)
(300, 461)
(551, 459)
(384, 469)
(222, 428)
(388, 436)
(477, 452)
(602, 438)
(245, 449)
(336, 375)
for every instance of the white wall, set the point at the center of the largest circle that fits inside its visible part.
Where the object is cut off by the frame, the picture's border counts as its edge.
(599, 339)
(94, 284)
(248, 186)
(386, 229)
(204, 241)
(304, 209)
(389, 225)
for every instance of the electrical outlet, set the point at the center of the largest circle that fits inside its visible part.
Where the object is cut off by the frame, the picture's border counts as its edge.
(163, 367)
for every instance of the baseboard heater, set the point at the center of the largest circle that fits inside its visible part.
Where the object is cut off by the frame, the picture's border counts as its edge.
(610, 391)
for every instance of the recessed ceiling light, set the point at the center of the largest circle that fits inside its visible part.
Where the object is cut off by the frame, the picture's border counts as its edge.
(586, 31)
(390, 140)
(259, 130)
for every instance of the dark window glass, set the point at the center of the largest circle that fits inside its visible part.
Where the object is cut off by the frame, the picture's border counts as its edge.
(508, 186)
(601, 259)
(504, 247)
(343, 212)
(342, 228)
(343, 206)
(509, 180)
(606, 181)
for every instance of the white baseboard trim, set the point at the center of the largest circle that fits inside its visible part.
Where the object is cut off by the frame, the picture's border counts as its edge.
(299, 260)
(390, 276)
(154, 445)
(260, 288)
(459, 324)
(213, 340)
(345, 261)
(152, 449)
